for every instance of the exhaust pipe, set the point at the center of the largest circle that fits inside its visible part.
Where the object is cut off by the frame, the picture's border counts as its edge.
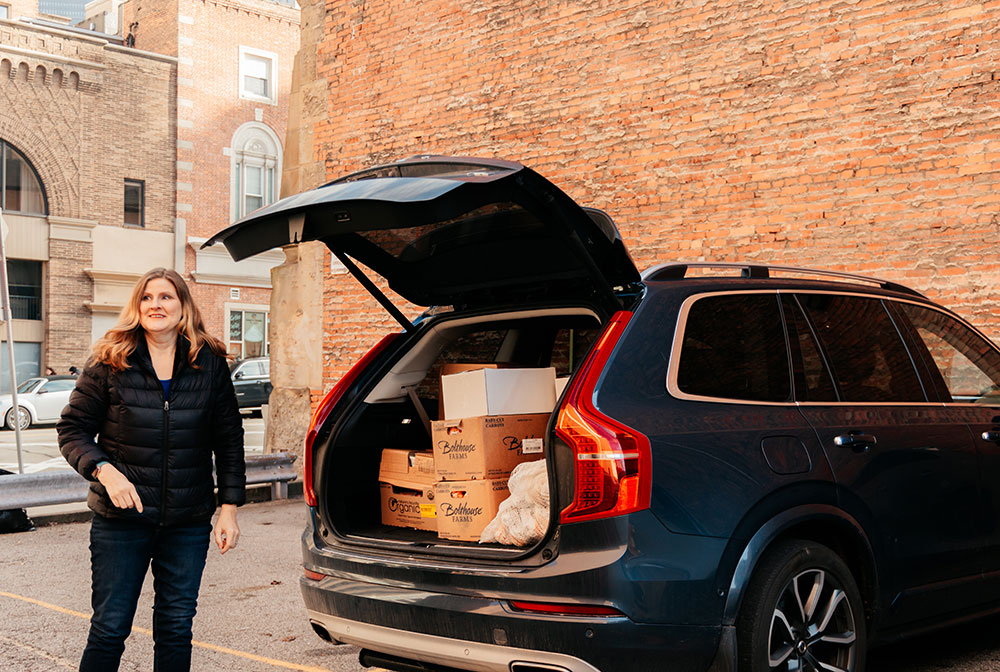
(535, 667)
(323, 633)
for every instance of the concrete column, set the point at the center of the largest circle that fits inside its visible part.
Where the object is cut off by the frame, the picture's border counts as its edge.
(296, 346)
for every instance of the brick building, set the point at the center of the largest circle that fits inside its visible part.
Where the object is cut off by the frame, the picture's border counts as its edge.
(856, 136)
(234, 72)
(88, 140)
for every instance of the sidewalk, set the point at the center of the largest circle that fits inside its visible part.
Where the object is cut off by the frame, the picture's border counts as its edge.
(250, 613)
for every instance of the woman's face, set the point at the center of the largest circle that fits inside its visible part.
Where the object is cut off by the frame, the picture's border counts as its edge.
(159, 307)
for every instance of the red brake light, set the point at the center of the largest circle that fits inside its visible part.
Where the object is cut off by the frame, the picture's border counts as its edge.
(326, 406)
(314, 576)
(565, 609)
(613, 462)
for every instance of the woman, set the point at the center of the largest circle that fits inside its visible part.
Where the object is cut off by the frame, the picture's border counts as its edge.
(156, 394)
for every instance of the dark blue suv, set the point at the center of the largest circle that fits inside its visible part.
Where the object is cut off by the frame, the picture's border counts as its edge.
(751, 468)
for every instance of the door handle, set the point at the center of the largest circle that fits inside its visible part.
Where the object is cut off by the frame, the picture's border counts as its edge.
(856, 441)
(992, 435)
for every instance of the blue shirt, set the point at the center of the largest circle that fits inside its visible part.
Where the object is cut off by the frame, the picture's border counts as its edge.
(166, 388)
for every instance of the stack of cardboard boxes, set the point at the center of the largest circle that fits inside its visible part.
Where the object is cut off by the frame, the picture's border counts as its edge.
(493, 419)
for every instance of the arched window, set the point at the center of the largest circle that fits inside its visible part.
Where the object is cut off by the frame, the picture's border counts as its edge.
(22, 190)
(256, 168)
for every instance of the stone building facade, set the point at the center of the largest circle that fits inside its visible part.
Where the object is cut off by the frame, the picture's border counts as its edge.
(859, 137)
(142, 145)
(234, 72)
(88, 134)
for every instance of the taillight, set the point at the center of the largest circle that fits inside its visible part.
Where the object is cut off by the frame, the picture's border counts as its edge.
(557, 609)
(326, 406)
(612, 462)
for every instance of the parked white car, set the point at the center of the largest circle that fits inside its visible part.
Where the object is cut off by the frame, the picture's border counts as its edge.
(41, 400)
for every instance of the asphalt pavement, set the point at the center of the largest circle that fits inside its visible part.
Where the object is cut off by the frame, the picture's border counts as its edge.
(250, 613)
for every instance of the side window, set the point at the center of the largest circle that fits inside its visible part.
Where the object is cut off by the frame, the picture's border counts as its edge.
(866, 355)
(59, 385)
(968, 364)
(734, 348)
(250, 370)
(811, 377)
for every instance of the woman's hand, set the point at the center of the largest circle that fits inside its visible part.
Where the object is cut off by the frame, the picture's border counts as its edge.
(227, 532)
(120, 489)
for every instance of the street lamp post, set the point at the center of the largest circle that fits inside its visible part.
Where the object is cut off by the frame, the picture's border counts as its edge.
(5, 316)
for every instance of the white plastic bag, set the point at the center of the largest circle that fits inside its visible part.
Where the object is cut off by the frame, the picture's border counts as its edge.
(523, 517)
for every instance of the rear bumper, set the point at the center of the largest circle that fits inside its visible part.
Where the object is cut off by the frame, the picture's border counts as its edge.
(483, 635)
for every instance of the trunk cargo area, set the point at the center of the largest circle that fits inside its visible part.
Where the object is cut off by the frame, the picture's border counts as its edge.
(377, 431)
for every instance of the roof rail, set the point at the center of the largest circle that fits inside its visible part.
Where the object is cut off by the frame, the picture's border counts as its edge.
(679, 269)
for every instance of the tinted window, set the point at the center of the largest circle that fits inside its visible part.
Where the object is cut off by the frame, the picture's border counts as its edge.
(866, 355)
(969, 366)
(734, 348)
(811, 377)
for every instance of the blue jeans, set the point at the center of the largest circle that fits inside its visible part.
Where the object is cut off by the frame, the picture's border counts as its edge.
(121, 552)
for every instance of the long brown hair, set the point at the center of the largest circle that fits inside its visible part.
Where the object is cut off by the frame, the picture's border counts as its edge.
(121, 340)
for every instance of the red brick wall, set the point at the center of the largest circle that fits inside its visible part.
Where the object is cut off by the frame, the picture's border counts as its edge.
(852, 136)
(211, 111)
(157, 29)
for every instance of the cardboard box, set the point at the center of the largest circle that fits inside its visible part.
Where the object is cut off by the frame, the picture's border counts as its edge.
(465, 508)
(498, 392)
(451, 369)
(561, 385)
(408, 503)
(406, 464)
(488, 446)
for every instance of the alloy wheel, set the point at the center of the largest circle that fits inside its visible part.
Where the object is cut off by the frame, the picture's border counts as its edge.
(812, 627)
(24, 418)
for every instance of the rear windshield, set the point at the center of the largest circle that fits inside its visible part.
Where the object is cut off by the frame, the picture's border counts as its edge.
(528, 346)
(485, 226)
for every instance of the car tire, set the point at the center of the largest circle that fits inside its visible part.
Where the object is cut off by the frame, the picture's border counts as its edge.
(25, 418)
(802, 611)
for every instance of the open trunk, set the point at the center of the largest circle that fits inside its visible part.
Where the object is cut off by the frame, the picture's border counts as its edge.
(385, 415)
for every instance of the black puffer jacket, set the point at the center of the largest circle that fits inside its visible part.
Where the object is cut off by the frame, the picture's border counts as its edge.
(163, 446)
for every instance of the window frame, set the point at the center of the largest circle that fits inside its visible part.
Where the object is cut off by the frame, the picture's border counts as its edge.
(266, 349)
(929, 368)
(271, 59)
(4, 11)
(142, 202)
(254, 144)
(3, 182)
(902, 327)
(831, 362)
(673, 365)
(39, 297)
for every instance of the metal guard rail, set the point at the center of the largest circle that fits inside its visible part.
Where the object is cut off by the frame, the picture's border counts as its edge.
(20, 491)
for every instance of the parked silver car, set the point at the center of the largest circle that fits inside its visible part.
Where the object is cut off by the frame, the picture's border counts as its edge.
(41, 400)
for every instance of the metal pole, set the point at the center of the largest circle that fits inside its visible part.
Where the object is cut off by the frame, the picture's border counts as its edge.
(5, 316)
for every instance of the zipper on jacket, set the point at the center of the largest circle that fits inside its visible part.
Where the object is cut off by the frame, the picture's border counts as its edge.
(163, 484)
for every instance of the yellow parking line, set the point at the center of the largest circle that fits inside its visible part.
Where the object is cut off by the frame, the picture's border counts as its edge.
(145, 631)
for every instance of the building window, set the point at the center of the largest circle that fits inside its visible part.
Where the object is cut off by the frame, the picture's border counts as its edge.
(257, 75)
(25, 280)
(135, 202)
(248, 333)
(26, 363)
(22, 190)
(256, 165)
(4, 11)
